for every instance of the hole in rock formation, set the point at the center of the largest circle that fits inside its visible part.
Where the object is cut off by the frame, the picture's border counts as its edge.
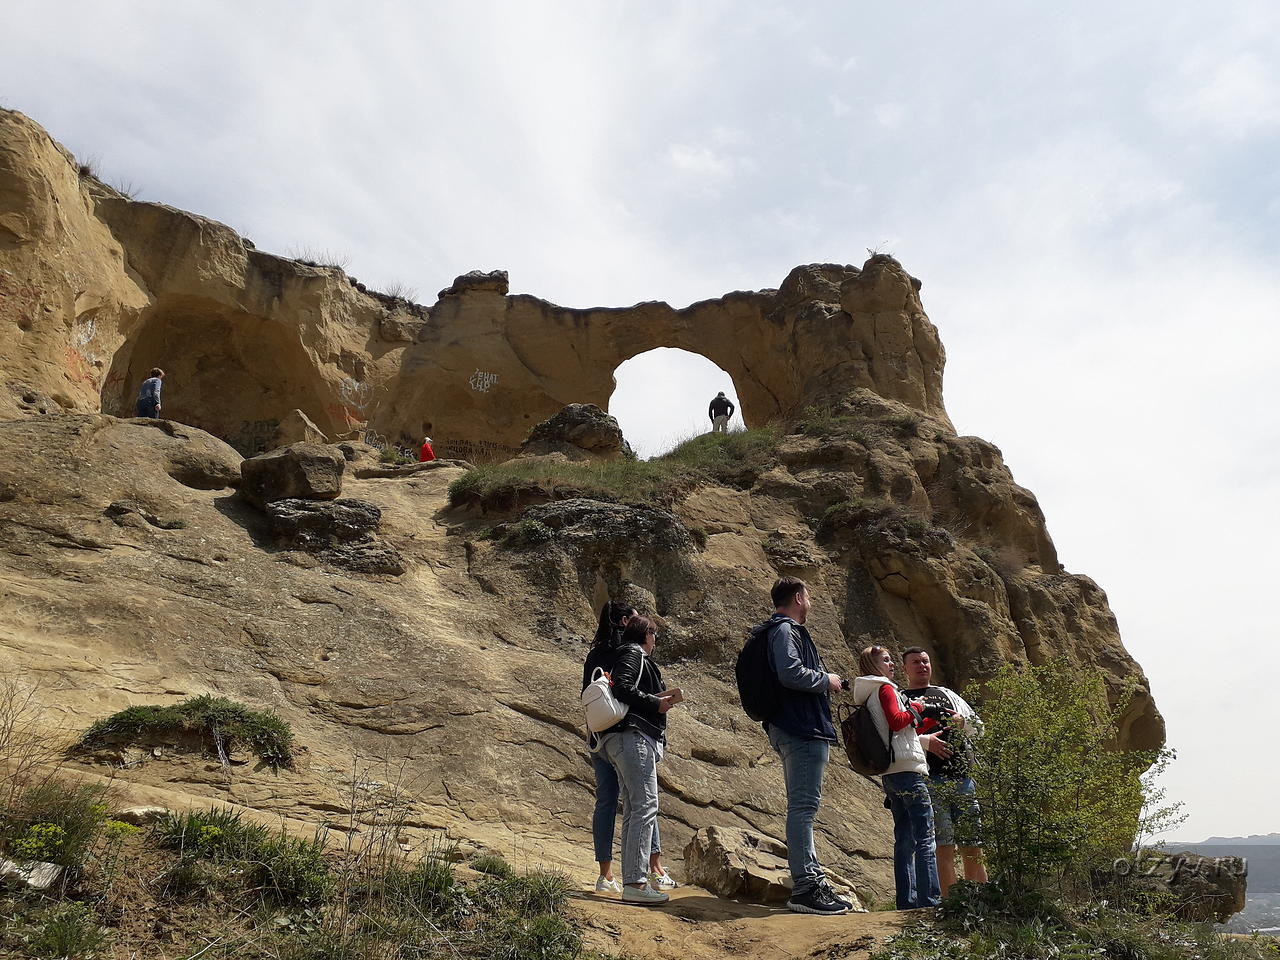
(661, 398)
(234, 375)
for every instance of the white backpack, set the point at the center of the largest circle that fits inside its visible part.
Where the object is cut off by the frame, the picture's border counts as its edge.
(603, 709)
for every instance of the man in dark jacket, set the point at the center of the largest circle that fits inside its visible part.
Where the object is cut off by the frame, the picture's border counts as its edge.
(148, 404)
(720, 410)
(802, 733)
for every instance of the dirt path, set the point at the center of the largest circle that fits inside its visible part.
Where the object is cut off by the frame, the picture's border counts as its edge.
(695, 925)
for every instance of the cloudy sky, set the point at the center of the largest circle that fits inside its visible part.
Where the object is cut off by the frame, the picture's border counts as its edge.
(1091, 196)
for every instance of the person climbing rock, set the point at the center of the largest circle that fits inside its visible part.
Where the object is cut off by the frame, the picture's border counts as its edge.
(148, 404)
(720, 410)
(427, 453)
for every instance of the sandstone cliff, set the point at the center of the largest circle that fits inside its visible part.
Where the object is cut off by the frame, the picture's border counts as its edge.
(464, 667)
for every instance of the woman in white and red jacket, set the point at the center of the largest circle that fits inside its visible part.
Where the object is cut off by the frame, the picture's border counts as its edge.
(915, 864)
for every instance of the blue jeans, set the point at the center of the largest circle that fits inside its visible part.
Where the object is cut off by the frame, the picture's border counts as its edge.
(606, 812)
(803, 763)
(915, 860)
(146, 408)
(635, 759)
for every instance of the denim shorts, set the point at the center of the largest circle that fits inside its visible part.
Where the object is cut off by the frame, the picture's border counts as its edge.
(957, 818)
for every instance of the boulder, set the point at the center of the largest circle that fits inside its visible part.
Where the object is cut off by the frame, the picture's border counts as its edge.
(738, 864)
(141, 816)
(191, 456)
(31, 874)
(495, 281)
(300, 471)
(338, 532)
(581, 431)
(296, 427)
(308, 523)
(1203, 888)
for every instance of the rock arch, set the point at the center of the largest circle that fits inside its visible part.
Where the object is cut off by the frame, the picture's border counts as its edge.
(489, 366)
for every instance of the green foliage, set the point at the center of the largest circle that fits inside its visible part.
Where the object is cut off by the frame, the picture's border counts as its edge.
(536, 893)
(1059, 800)
(214, 833)
(42, 841)
(396, 457)
(430, 887)
(545, 937)
(493, 864)
(54, 820)
(905, 425)
(222, 724)
(64, 930)
(822, 421)
(734, 458)
(528, 533)
(292, 871)
(983, 923)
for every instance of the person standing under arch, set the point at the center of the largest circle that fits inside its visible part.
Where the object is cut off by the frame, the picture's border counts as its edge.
(148, 404)
(720, 410)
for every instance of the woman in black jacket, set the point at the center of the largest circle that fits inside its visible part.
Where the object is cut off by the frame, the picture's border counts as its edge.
(634, 747)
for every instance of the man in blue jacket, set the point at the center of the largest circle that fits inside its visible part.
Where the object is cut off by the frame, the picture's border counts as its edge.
(802, 733)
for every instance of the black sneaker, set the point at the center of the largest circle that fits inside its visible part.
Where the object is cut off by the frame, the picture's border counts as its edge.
(819, 900)
(832, 895)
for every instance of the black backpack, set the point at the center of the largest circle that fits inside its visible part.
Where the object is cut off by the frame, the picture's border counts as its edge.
(868, 752)
(758, 686)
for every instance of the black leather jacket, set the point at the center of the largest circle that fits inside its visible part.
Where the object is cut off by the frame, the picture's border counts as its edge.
(637, 681)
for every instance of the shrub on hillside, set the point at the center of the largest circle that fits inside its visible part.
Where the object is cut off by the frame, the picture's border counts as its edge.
(220, 723)
(1059, 799)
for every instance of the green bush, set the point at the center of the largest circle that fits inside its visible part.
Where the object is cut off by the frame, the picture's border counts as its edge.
(56, 821)
(66, 930)
(213, 833)
(532, 895)
(493, 864)
(545, 937)
(221, 723)
(1059, 799)
(291, 871)
(528, 533)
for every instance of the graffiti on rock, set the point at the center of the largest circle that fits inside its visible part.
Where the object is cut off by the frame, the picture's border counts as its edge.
(481, 381)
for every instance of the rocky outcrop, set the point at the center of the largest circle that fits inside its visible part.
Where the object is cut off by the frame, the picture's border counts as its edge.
(300, 471)
(95, 289)
(340, 532)
(296, 427)
(742, 865)
(581, 431)
(1201, 888)
(133, 572)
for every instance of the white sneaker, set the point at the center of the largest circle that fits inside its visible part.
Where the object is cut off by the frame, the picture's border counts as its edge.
(645, 895)
(662, 881)
(604, 885)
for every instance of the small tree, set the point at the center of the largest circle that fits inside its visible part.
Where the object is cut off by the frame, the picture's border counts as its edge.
(1059, 798)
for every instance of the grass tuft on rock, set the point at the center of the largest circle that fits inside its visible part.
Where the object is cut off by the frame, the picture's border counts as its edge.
(221, 724)
(734, 459)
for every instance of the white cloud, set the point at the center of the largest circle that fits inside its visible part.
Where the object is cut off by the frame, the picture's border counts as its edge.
(889, 115)
(1238, 97)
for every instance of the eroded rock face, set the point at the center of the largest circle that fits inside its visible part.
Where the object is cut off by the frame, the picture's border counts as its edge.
(580, 431)
(1203, 888)
(280, 335)
(300, 471)
(134, 574)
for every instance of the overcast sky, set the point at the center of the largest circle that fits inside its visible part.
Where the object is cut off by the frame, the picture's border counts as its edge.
(1091, 195)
